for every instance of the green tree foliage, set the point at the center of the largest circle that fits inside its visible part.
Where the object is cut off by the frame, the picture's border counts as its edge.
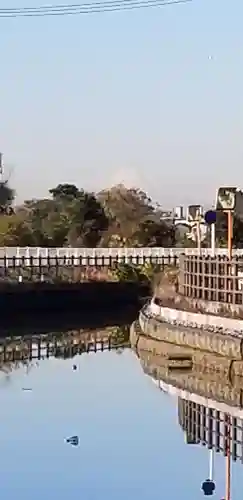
(6, 194)
(155, 233)
(222, 230)
(64, 191)
(133, 220)
(72, 216)
(135, 273)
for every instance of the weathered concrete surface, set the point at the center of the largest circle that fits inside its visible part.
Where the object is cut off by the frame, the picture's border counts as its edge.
(202, 385)
(225, 310)
(160, 352)
(212, 385)
(196, 320)
(166, 289)
(222, 344)
(203, 362)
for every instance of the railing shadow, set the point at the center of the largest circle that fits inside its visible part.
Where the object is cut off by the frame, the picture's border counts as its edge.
(61, 322)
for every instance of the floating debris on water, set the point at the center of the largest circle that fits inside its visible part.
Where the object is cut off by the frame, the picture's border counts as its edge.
(73, 440)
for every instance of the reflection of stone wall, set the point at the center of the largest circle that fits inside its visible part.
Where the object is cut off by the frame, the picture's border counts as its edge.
(205, 385)
(217, 343)
(209, 394)
(212, 376)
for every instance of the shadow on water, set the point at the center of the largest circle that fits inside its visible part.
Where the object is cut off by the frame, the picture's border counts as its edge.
(64, 336)
(28, 324)
(31, 338)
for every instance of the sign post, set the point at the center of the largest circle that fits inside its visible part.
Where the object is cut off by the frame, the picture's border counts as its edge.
(213, 238)
(199, 244)
(226, 202)
(208, 486)
(230, 232)
(210, 219)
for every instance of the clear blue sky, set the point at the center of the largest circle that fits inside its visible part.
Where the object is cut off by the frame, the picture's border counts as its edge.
(150, 97)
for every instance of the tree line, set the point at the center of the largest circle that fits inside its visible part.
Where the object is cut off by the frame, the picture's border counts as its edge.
(116, 217)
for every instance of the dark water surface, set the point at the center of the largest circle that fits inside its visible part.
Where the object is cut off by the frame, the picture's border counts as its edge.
(131, 444)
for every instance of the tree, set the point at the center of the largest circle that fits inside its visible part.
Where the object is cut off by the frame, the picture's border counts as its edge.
(6, 194)
(64, 191)
(222, 230)
(155, 233)
(46, 221)
(88, 220)
(19, 233)
(126, 209)
(71, 216)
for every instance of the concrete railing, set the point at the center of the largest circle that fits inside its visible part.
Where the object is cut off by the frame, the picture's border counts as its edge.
(97, 257)
(66, 252)
(120, 253)
(212, 278)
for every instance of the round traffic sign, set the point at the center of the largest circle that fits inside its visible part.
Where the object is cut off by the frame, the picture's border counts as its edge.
(208, 487)
(210, 217)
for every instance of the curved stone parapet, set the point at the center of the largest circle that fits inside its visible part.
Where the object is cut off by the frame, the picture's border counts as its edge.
(202, 320)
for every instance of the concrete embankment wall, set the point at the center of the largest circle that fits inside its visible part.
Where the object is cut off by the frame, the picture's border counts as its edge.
(203, 321)
(223, 344)
(37, 297)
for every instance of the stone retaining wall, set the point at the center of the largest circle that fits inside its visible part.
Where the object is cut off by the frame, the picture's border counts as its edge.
(203, 321)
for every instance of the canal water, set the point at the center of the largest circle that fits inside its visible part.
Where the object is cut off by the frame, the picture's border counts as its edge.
(131, 444)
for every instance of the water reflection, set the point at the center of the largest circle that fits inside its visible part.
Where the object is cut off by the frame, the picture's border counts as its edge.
(17, 351)
(140, 422)
(209, 399)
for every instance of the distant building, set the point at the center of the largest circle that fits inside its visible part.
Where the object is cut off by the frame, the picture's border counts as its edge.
(179, 213)
(187, 225)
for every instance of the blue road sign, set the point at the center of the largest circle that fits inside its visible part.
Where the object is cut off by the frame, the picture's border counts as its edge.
(210, 217)
(208, 487)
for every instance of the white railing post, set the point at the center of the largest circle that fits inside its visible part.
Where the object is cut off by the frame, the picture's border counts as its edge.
(121, 252)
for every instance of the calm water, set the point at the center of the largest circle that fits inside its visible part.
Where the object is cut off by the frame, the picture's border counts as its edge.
(131, 443)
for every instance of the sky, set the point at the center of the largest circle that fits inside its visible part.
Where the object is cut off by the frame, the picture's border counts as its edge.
(151, 98)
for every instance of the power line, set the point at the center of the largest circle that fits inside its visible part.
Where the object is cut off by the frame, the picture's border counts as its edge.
(85, 8)
(69, 6)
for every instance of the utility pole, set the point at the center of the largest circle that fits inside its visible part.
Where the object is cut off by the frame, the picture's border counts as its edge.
(1, 167)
